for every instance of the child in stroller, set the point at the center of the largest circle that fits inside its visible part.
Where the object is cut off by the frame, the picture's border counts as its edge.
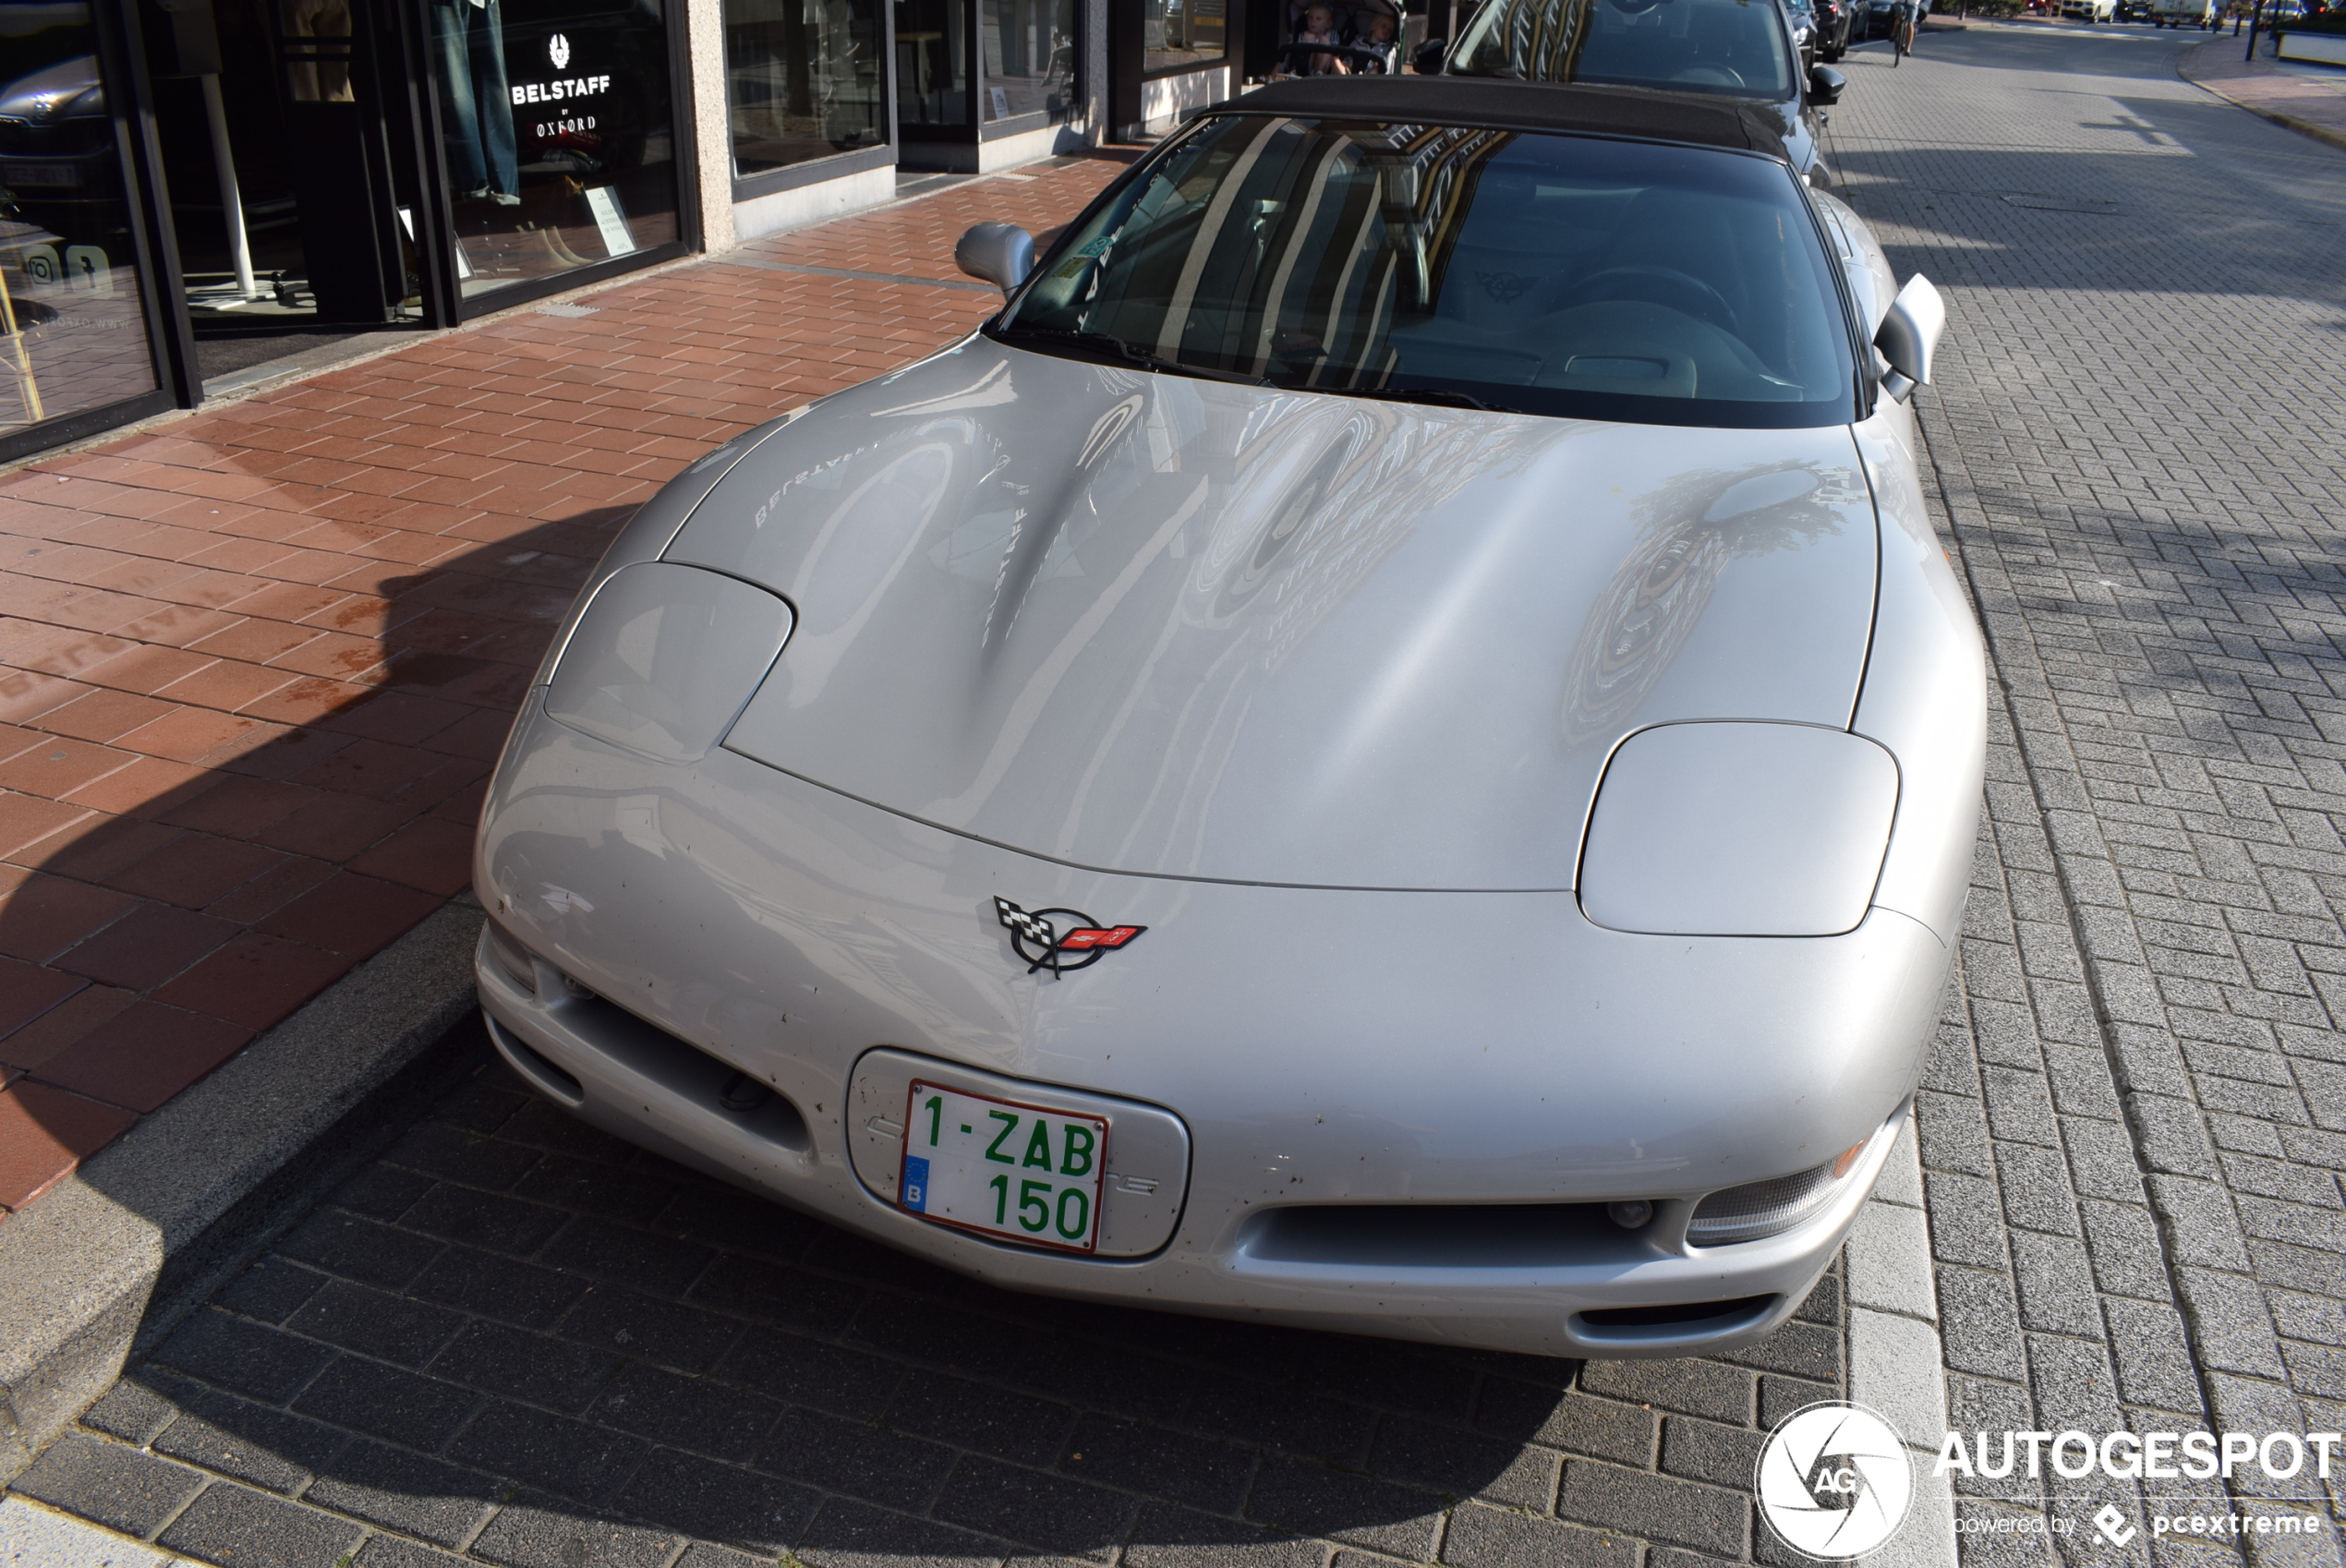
(1341, 38)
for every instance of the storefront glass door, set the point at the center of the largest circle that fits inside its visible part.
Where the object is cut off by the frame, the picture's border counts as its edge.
(73, 335)
(557, 125)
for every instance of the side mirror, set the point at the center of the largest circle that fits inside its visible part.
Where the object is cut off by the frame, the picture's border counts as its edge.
(1825, 84)
(1427, 61)
(1908, 336)
(1001, 253)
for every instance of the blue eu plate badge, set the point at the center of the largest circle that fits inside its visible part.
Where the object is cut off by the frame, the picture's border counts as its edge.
(916, 1184)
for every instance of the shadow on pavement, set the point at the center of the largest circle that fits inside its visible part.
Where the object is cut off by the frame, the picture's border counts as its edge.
(514, 1336)
(259, 829)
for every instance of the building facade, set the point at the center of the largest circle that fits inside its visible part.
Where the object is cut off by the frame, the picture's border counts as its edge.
(189, 187)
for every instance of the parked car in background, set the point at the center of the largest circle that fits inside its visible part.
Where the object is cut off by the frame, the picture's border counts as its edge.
(1802, 18)
(1726, 49)
(57, 152)
(2089, 11)
(1835, 21)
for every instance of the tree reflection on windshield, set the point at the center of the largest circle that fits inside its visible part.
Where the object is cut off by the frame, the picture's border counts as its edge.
(1483, 269)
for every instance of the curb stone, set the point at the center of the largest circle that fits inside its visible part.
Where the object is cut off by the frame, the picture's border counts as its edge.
(79, 1269)
(34, 1537)
(1896, 1365)
(2287, 122)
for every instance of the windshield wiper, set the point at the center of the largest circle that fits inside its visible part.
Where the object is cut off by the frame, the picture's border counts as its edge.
(1117, 348)
(1443, 396)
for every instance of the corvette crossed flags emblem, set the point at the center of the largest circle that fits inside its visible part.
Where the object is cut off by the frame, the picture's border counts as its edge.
(1043, 946)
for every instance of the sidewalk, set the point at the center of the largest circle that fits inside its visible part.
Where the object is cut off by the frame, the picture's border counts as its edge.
(255, 663)
(2303, 102)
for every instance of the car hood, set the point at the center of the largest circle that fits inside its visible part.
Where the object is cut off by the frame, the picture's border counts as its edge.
(1169, 626)
(65, 91)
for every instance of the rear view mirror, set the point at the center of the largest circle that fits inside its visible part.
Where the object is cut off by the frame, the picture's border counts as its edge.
(1908, 334)
(1825, 84)
(1427, 61)
(1001, 253)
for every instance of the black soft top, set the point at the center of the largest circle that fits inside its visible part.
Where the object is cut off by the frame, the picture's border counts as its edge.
(1699, 119)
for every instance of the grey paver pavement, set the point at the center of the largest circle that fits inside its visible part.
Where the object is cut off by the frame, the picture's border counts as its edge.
(514, 1340)
(2132, 1134)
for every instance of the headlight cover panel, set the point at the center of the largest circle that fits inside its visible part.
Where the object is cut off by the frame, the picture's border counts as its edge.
(1738, 829)
(665, 658)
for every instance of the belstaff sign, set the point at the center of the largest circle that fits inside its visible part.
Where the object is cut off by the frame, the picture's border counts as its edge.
(566, 91)
(560, 92)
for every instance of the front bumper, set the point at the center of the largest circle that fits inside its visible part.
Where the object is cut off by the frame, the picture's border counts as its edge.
(1322, 1049)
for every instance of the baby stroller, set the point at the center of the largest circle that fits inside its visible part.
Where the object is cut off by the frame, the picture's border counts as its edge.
(1339, 38)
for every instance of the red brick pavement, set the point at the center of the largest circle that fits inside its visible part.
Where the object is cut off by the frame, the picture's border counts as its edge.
(255, 663)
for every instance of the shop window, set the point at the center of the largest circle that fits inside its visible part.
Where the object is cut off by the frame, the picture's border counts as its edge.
(557, 120)
(1179, 35)
(932, 62)
(1030, 58)
(803, 80)
(73, 335)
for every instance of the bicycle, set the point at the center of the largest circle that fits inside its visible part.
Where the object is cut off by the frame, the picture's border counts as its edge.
(1902, 34)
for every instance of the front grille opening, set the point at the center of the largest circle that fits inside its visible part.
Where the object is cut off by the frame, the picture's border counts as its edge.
(682, 1068)
(1442, 1236)
(1683, 1314)
(549, 1078)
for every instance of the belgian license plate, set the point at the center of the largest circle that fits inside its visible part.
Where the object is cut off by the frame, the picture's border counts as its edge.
(40, 173)
(1021, 1172)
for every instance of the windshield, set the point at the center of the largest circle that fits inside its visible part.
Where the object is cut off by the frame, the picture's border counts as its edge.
(1725, 46)
(1546, 274)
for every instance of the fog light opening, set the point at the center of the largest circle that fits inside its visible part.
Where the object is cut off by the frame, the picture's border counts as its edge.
(1630, 1215)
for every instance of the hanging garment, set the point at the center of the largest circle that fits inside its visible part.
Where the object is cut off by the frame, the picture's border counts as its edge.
(475, 109)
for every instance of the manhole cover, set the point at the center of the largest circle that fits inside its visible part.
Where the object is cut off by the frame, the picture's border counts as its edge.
(2063, 204)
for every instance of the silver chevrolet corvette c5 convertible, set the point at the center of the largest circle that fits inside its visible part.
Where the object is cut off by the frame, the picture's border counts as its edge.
(1389, 747)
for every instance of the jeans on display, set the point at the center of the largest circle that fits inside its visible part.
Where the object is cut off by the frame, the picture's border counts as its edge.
(474, 104)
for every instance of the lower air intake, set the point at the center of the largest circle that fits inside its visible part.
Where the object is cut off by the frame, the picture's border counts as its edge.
(1442, 1236)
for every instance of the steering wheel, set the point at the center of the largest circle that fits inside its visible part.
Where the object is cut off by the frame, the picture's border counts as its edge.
(1710, 76)
(1660, 285)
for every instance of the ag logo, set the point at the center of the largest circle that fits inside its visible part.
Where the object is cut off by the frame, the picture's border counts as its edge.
(1834, 1481)
(1043, 944)
(558, 51)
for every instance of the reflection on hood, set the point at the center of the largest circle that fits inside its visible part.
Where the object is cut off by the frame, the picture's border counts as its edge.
(1693, 526)
(1190, 628)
